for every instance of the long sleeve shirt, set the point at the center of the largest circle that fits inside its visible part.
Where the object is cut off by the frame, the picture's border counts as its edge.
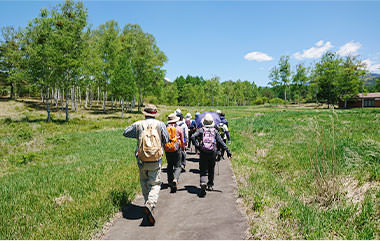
(199, 135)
(135, 130)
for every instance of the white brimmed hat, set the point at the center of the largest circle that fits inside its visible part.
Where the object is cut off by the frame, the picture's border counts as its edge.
(208, 121)
(172, 118)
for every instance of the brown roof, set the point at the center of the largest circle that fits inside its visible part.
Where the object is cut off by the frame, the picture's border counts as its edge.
(369, 95)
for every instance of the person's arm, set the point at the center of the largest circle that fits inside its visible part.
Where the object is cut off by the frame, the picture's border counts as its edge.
(222, 144)
(131, 131)
(227, 134)
(195, 136)
(164, 133)
(182, 139)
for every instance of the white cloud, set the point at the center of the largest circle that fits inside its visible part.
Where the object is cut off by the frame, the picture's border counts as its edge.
(350, 48)
(371, 66)
(314, 52)
(258, 56)
(319, 43)
(167, 79)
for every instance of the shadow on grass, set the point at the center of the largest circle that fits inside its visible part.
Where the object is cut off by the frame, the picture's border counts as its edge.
(27, 120)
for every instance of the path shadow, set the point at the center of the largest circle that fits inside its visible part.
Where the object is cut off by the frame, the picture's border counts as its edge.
(193, 159)
(195, 171)
(164, 170)
(191, 189)
(164, 186)
(135, 212)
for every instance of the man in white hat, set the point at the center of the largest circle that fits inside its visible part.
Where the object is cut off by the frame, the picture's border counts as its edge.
(173, 150)
(206, 140)
(151, 135)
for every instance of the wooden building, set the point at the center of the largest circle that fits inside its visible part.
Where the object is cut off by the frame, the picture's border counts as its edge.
(362, 100)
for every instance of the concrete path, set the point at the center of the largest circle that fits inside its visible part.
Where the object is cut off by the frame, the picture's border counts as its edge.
(184, 215)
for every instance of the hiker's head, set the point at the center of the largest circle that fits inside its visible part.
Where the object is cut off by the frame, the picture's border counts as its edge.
(222, 114)
(150, 111)
(197, 114)
(188, 116)
(180, 116)
(208, 121)
(219, 112)
(178, 112)
(172, 118)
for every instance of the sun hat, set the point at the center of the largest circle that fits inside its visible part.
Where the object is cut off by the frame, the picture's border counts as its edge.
(219, 112)
(150, 110)
(197, 114)
(208, 121)
(172, 118)
(188, 116)
(178, 111)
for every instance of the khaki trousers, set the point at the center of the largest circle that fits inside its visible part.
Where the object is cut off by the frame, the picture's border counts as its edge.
(150, 181)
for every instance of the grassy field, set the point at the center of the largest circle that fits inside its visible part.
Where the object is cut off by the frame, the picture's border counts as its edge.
(308, 173)
(303, 173)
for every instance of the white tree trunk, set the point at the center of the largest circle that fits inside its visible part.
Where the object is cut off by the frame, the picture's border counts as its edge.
(85, 105)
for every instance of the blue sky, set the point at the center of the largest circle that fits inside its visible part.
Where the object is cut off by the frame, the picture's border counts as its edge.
(235, 39)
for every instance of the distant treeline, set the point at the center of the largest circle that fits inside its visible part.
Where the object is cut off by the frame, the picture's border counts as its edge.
(60, 58)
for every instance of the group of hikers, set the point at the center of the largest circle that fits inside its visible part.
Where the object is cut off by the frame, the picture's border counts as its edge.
(154, 137)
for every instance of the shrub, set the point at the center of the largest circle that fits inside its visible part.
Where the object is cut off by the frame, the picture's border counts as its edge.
(276, 101)
(259, 101)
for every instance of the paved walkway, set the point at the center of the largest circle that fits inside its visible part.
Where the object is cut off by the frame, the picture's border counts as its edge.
(184, 215)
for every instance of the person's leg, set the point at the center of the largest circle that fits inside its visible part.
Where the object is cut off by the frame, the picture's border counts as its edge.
(143, 182)
(177, 165)
(154, 182)
(183, 159)
(225, 141)
(211, 169)
(203, 169)
(171, 160)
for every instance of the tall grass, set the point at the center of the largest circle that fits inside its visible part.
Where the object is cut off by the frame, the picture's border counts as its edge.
(308, 174)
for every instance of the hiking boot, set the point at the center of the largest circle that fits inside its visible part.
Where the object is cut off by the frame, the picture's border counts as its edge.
(148, 210)
(174, 185)
(210, 188)
(203, 190)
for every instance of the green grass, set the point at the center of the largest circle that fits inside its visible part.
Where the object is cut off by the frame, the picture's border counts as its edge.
(65, 180)
(279, 161)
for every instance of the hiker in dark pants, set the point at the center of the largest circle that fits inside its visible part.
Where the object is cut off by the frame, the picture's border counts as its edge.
(173, 151)
(206, 140)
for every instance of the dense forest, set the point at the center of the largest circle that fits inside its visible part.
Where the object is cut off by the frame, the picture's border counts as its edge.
(59, 58)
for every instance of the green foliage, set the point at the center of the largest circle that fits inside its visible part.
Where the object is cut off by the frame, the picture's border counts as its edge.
(276, 101)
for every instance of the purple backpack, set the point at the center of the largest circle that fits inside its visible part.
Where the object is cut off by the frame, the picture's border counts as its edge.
(208, 140)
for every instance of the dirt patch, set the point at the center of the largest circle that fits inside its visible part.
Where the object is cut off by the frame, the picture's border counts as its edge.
(63, 199)
(261, 152)
(355, 192)
(261, 134)
(258, 114)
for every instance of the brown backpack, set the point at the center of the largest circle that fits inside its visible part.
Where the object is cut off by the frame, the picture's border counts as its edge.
(150, 149)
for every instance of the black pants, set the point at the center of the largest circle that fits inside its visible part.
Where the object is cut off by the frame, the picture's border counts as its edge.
(219, 147)
(174, 165)
(207, 167)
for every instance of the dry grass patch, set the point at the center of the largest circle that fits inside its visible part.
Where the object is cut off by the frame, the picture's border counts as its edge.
(355, 192)
(63, 199)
